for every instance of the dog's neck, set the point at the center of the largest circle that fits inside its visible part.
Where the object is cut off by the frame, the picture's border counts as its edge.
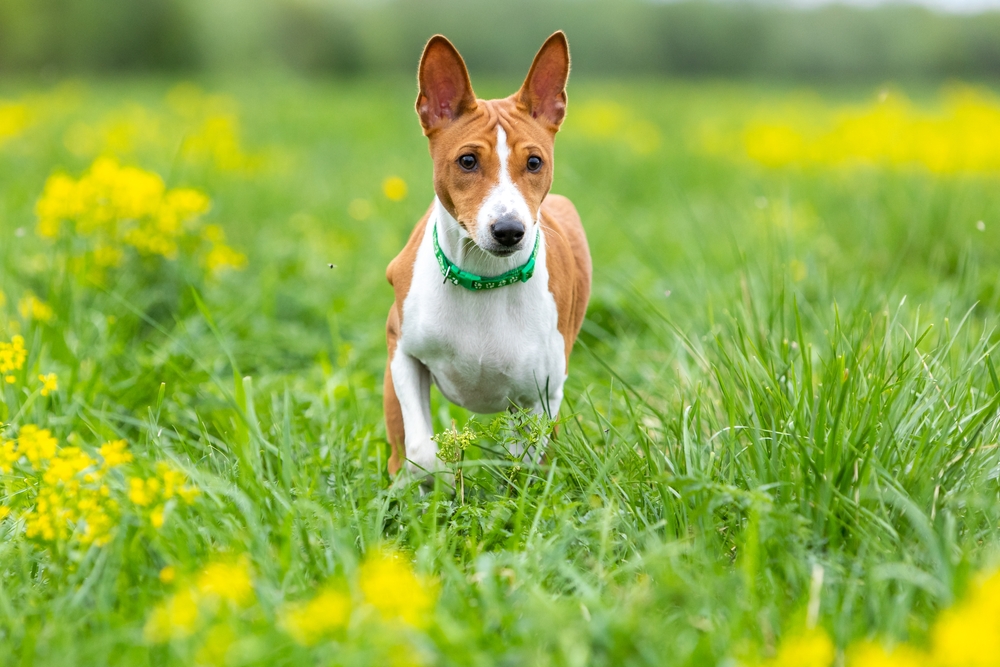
(459, 247)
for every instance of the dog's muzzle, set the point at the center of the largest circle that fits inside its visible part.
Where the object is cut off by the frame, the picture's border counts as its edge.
(507, 231)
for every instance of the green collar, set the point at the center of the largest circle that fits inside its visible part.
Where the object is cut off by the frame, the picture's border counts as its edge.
(471, 281)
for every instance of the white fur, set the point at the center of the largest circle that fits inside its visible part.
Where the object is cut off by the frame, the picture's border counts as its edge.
(485, 350)
(503, 198)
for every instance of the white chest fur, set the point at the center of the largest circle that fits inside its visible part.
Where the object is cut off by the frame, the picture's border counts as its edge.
(485, 350)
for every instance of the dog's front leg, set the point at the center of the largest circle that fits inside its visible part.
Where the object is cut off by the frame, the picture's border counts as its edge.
(411, 385)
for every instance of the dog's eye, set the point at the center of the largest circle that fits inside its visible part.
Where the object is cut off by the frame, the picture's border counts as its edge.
(467, 162)
(534, 163)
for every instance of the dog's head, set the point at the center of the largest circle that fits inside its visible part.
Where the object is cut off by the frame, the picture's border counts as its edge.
(492, 158)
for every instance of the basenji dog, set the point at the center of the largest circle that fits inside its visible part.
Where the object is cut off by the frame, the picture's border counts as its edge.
(492, 286)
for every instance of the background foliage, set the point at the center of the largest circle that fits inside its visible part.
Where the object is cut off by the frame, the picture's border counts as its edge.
(625, 37)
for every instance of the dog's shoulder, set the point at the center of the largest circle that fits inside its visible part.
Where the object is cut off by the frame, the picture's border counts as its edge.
(568, 259)
(399, 273)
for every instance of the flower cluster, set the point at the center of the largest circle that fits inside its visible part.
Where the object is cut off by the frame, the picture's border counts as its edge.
(12, 358)
(14, 119)
(390, 591)
(962, 136)
(965, 635)
(217, 140)
(32, 308)
(154, 495)
(220, 585)
(112, 208)
(64, 491)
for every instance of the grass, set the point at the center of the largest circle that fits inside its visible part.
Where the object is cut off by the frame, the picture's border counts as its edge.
(781, 413)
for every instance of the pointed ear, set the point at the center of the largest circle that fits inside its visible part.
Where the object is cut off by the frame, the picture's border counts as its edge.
(543, 93)
(445, 89)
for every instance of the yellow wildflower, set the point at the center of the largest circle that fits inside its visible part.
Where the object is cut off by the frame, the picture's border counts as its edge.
(222, 256)
(870, 654)
(12, 357)
(394, 188)
(309, 622)
(962, 136)
(36, 444)
(3, 299)
(115, 453)
(227, 581)
(14, 119)
(70, 497)
(137, 492)
(390, 585)
(176, 617)
(112, 207)
(810, 649)
(4, 512)
(50, 383)
(33, 308)
(9, 455)
(218, 140)
(968, 634)
(157, 490)
(168, 574)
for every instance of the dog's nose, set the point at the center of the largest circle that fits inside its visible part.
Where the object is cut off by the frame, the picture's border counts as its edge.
(508, 231)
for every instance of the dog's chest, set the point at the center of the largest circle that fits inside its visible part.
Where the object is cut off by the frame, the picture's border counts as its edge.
(486, 350)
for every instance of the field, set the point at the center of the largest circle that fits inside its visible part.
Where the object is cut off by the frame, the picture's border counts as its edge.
(778, 447)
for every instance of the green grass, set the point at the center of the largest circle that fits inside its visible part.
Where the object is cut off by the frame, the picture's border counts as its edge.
(782, 408)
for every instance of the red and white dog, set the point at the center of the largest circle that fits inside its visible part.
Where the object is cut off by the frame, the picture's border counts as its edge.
(492, 286)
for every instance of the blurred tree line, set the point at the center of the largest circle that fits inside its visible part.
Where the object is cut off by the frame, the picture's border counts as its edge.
(344, 37)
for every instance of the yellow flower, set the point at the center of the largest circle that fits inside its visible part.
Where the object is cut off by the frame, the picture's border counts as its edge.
(138, 493)
(870, 654)
(50, 383)
(14, 118)
(390, 585)
(12, 356)
(968, 634)
(9, 455)
(168, 574)
(963, 136)
(113, 207)
(3, 299)
(222, 256)
(33, 308)
(69, 497)
(218, 140)
(227, 581)
(115, 453)
(155, 491)
(309, 622)
(36, 444)
(394, 188)
(176, 617)
(810, 649)
(4, 512)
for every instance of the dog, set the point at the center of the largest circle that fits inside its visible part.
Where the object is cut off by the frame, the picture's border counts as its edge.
(492, 286)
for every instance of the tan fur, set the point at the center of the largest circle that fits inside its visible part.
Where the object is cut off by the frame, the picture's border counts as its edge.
(456, 123)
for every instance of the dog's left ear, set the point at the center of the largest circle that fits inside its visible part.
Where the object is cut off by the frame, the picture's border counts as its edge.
(543, 93)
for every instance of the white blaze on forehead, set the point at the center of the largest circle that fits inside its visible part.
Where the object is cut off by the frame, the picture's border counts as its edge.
(504, 197)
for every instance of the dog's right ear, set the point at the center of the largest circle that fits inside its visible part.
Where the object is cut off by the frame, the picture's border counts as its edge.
(445, 89)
